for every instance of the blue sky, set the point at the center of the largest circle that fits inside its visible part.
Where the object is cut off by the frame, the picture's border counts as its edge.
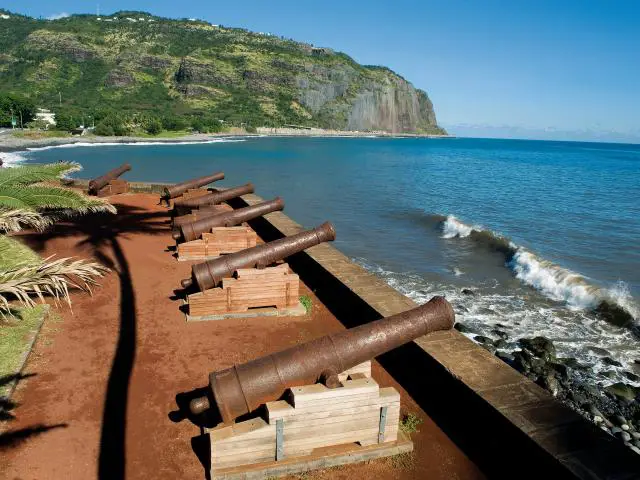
(543, 69)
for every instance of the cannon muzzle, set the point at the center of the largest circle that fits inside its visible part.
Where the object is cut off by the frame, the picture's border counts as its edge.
(99, 182)
(214, 198)
(243, 388)
(210, 273)
(179, 188)
(194, 230)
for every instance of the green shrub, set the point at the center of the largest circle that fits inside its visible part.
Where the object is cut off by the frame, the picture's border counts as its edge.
(154, 126)
(409, 423)
(306, 302)
(104, 129)
(173, 123)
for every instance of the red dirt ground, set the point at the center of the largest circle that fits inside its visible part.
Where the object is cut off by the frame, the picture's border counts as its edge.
(106, 375)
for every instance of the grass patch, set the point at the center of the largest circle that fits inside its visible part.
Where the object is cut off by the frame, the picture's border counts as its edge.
(14, 253)
(38, 134)
(306, 302)
(409, 423)
(15, 337)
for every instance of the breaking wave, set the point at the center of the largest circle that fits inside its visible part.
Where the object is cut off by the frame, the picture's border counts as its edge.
(138, 144)
(557, 283)
(10, 159)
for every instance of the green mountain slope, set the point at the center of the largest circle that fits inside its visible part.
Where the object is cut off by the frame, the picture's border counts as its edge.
(133, 63)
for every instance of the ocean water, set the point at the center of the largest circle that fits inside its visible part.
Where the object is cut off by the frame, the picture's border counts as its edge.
(542, 232)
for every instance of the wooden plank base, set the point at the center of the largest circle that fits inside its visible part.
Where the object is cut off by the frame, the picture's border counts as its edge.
(251, 288)
(319, 459)
(314, 427)
(114, 187)
(220, 241)
(296, 311)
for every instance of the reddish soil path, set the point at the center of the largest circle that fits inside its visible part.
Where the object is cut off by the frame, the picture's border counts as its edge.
(106, 375)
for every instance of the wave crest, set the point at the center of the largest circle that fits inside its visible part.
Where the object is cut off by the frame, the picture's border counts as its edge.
(614, 305)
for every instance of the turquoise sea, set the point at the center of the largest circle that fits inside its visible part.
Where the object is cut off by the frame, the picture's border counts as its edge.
(541, 232)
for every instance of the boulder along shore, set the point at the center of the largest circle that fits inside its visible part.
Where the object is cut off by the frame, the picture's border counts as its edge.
(614, 408)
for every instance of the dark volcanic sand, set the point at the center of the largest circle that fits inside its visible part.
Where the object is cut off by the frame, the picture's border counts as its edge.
(128, 347)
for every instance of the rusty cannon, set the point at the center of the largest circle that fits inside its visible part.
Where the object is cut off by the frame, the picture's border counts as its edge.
(213, 198)
(210, 273)
(194, 230)
(243, 388)
(99, 182)
(203, 212)
(179, 188)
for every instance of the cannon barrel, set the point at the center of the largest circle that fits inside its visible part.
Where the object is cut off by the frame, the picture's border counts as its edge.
(214, 198)
(179, 188)
(243, 388)
(193, 230)
(210, 273)
(203, 212)
(99, 182)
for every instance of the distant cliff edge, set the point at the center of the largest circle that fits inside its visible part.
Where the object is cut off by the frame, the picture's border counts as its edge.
(138, 64)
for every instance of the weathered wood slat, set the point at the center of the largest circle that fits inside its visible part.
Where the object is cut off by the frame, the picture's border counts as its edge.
(314, 417)
(269, 287)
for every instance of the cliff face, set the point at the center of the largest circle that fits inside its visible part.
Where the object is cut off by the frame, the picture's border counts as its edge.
(133, 61)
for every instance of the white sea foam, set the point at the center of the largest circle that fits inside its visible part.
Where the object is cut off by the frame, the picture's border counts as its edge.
(138, 144)
(519, 314)
(452, 227)
(555, 282)
(11, 159)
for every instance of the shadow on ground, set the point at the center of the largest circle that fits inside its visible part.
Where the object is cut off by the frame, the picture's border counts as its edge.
(103, 232)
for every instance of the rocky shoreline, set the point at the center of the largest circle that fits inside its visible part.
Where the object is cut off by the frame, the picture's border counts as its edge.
(614, 408)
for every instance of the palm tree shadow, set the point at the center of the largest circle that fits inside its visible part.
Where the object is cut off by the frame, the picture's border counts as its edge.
(102, 233)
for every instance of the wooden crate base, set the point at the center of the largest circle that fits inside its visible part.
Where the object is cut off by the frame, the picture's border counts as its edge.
(319, 459)
(114, 187)
(249, 289)
(315, 427)
(219, 241)
(296, 311)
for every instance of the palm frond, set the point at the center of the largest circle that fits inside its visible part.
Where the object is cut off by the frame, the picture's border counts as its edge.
(36, 197)
(15, 254)
(30, 174)
(15, 220)
(51, 277)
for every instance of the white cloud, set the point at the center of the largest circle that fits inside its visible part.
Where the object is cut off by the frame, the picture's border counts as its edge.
(58, 16)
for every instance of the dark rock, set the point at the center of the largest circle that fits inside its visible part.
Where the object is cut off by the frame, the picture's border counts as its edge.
(622, 391)
(632, 376)
(540, 346)
(572, 363)
(467, 291)
(614, 314)
(610, 374)
(488, 347)
(561, 370)
(464, 328)
(619, 420)
(549, 383)
(506, 357)
(500, 333)
(525, 363)
(598, 350)
(611, 361)
(500, 343)
(483, 339)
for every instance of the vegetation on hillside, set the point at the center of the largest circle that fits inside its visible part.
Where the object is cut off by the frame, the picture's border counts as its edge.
(130, 70)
